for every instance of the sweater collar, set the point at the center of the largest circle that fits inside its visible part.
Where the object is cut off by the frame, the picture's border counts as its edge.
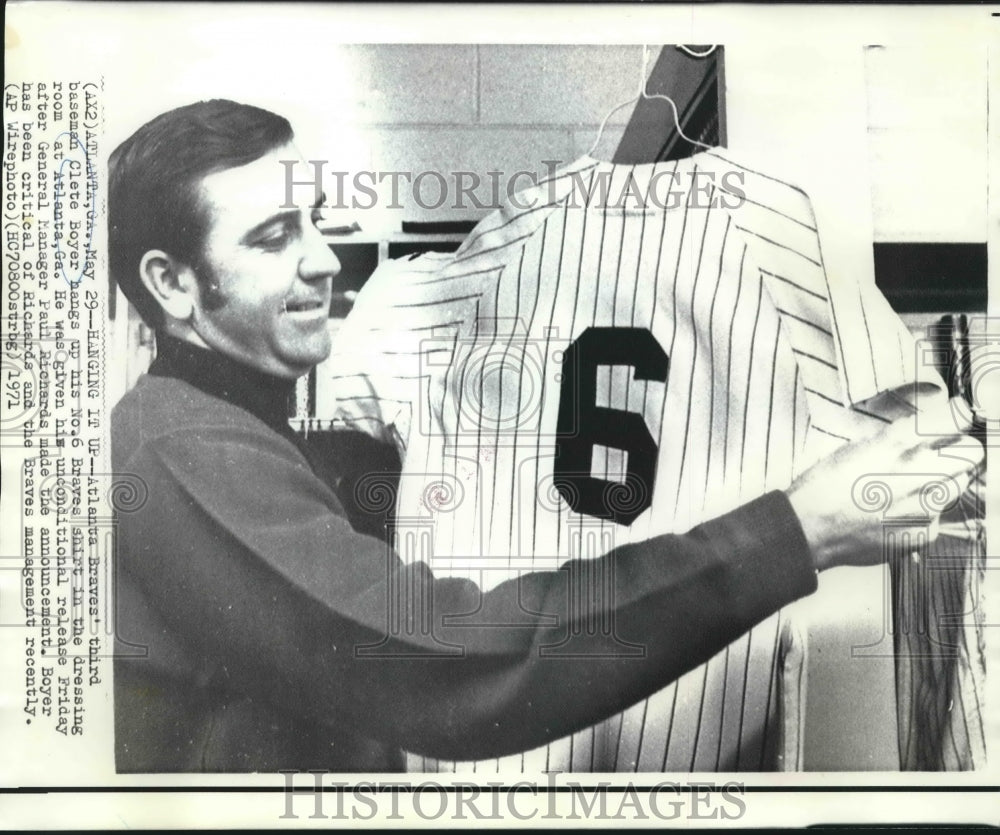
(263, 395)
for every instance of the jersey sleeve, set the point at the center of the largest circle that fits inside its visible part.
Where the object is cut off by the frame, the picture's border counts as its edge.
(247, 557)
(849, 342)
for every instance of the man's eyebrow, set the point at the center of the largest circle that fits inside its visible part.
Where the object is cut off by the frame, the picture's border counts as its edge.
(277, 217)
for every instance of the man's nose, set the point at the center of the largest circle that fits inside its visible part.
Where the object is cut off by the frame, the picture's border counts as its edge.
(318, 260)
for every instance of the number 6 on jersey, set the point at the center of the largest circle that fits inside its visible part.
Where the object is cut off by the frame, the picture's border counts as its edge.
(582, 424)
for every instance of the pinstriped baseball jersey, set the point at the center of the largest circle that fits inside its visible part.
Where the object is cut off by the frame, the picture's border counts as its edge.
(623, 351)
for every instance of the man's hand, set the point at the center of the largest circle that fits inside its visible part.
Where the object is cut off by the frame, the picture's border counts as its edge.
(839, 529)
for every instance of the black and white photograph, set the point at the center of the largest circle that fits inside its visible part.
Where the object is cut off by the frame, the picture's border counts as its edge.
(423, 414)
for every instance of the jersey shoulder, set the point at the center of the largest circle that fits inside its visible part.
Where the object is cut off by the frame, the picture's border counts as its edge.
(751, 188)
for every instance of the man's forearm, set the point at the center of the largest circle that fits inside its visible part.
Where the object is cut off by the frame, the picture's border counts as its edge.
(276, 590)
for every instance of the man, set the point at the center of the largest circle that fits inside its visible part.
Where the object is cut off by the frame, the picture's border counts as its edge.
(259, 630)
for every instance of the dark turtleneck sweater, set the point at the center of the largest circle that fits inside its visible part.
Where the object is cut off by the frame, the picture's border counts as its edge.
(263, 395)
(341, 459)
(258, 630)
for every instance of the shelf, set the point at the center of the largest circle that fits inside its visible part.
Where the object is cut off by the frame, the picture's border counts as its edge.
(396, 237)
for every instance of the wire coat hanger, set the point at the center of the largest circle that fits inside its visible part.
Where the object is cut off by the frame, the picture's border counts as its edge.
(688, 51)
(643, 94)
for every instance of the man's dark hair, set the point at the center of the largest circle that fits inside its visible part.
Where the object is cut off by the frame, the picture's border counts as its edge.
(153, 197)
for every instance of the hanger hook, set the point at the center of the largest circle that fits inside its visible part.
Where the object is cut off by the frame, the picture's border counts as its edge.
(645, 94)
(687, 50)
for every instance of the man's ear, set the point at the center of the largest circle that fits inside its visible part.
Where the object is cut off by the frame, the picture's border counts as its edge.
(172, 285)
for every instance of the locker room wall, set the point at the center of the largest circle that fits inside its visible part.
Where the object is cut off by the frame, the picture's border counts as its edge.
(921, 110)
(927, 139)
(478, 108)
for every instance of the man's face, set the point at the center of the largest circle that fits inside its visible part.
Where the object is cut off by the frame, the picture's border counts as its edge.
(272, 268)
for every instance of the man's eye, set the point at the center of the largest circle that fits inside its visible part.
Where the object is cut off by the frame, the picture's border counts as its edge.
(275, 239)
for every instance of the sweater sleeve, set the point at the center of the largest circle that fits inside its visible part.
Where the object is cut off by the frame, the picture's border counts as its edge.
(246, 555)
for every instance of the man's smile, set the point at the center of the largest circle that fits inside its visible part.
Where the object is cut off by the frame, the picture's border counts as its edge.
(299, 306)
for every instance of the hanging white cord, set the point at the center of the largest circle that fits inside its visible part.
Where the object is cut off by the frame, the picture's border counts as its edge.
(617, 107)
(600, 130)
(694, 54)
(643, 94)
